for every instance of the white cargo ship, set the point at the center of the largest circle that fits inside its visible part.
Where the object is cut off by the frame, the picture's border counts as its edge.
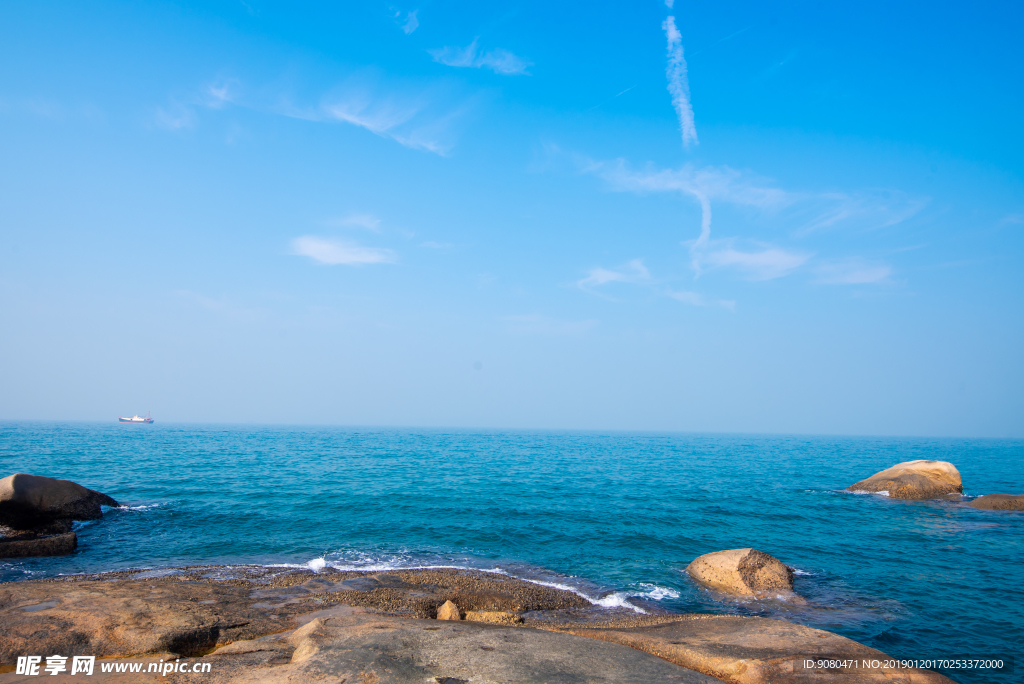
(135, 419)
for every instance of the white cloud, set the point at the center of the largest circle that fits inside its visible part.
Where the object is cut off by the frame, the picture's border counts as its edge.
(535, 324)
(498, 60)
(669, 3)
(765, 264)
(411, 22)
(678, 83)
(334, 252)
(852, 272)
(632, 272)
(703, 184)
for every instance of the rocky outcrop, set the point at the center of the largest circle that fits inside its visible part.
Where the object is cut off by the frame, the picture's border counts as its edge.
(57, 545)
(742, 572)
(753, 650)
(494, 617)
(999, 502)
(36, 514)
(267, 626)
(916, 480)
(448, 611)
(32, 501)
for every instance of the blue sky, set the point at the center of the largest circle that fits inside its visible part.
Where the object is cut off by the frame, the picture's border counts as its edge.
(804, 218)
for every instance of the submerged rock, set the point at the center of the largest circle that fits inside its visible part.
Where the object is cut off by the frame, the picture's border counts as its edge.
(742, 572)
(30, 501)
(56, 545)
(448, 611)
(999, 502)
(914, 480)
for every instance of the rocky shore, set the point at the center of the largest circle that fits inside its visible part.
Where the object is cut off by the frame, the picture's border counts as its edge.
(258, 624)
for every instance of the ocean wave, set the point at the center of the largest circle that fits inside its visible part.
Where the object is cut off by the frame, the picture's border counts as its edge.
(140, 507)
(614, 599)
(884, 492)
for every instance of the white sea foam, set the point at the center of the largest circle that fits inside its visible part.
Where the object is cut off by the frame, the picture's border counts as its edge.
(615, 599)
(801, 572)
(884, 492)
(141, 507)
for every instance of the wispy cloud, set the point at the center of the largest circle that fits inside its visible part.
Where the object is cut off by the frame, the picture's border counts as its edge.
(636, 273)
(411, 22)
(498, 60)
(222, 93)
(536, 324)
(678, 83)
(334, 252)
(703, 184)
(766, 263)
(174, 117)
(867, 209)
(632, 272)
(852, 272)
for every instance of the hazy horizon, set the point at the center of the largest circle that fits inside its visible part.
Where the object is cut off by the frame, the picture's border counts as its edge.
(654, 216)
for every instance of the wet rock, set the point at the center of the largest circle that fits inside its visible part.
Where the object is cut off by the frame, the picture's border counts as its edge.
(742, 572)
(999, 502)
(57, 545)
(448, 611)
(494, 617)
(916, 480)
(33, 501)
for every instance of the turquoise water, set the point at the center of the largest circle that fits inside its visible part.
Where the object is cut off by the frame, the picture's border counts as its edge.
(614, 516)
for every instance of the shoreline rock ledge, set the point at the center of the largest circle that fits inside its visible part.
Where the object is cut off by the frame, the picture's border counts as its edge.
(914, 480)
(36, 513)
(743, 572)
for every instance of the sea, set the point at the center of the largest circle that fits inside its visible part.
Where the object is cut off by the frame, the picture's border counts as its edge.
(613, 516)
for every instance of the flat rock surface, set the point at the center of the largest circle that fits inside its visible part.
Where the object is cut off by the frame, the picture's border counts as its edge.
(379, 649)
(752, 650)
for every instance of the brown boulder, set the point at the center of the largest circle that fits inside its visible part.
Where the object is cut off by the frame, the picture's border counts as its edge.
(448, 611)
(999, 502)
(57, 545)
(32, 501)
(743, 572)
(914, 480)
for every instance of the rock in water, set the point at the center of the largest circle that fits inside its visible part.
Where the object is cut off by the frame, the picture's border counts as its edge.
(743, 572)
(57, 545)
(32, 501)
(914, 480)
(999, 502)
(448, 611)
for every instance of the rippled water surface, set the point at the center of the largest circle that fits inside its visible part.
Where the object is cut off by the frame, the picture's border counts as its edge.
(614, 516)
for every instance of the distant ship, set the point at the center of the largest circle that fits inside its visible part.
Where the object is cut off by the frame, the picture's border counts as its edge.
(135, 419)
